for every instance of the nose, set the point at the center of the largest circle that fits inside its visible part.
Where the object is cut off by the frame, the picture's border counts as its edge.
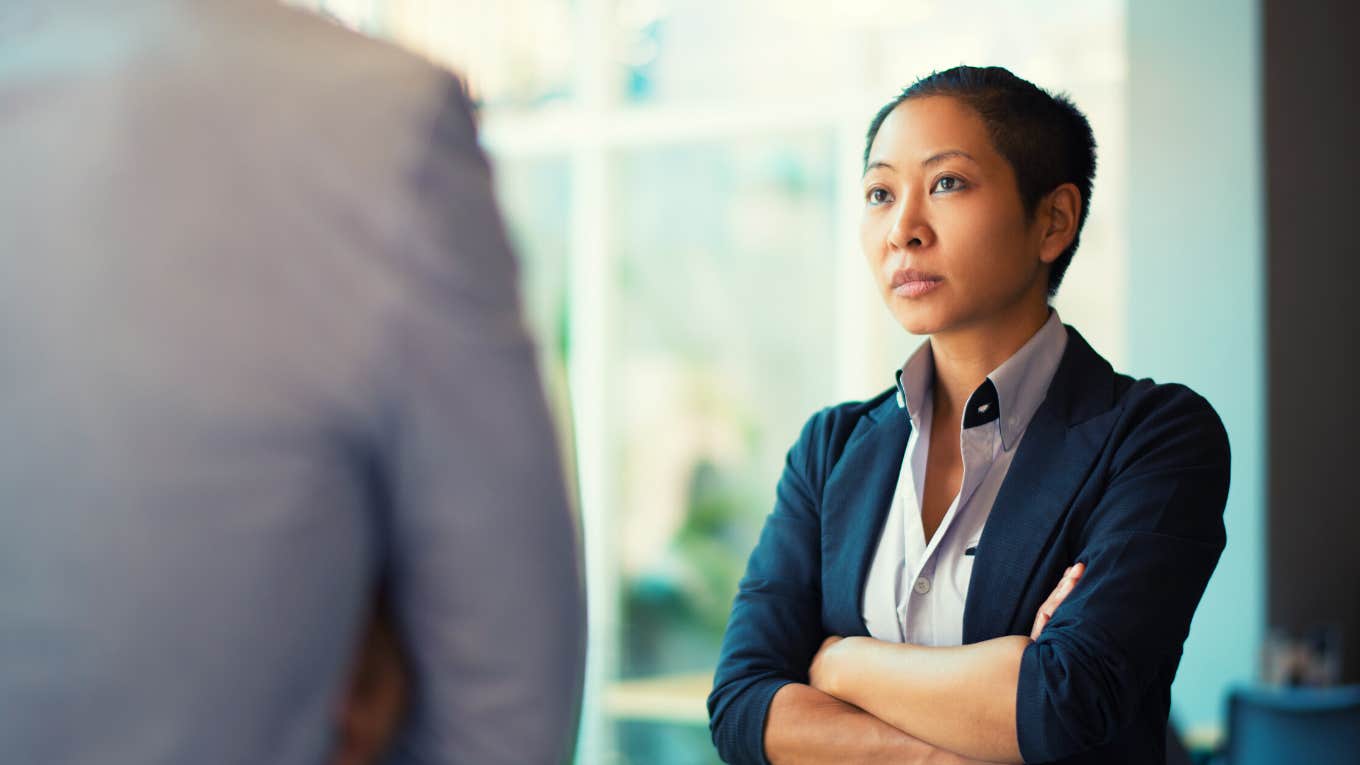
(910, 230)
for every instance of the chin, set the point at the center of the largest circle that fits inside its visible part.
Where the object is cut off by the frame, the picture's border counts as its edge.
(918, 319)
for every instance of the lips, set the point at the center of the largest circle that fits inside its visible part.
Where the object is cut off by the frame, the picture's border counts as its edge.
(904, 275)
(913, 282)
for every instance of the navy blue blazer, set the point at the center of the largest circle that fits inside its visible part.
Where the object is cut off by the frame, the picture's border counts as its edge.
(1129, 477)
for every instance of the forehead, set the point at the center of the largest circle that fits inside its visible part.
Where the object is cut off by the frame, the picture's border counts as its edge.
(919, 128)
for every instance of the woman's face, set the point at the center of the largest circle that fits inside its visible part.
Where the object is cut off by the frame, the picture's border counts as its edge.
(943, 229)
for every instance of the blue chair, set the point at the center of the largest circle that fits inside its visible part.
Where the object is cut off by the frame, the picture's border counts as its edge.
(1318, 726)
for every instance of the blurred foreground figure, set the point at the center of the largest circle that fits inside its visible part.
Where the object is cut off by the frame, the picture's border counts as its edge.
(262, 359)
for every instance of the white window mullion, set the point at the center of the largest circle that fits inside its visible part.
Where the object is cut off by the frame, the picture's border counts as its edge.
(589, 308)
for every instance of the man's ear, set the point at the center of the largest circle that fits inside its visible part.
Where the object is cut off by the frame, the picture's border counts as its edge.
(1060, 211)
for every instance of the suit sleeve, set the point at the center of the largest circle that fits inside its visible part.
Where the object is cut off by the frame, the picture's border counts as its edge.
(1150, 546)
(775, 626)
(482, 550)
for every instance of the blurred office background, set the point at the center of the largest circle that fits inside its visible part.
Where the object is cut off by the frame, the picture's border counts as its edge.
(681, 179)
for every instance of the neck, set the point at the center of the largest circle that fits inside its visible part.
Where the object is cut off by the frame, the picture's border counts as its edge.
(964, 356)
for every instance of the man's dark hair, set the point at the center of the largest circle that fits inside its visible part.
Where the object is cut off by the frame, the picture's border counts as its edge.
(1045, 137)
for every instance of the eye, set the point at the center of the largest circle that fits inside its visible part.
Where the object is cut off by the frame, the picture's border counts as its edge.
(948, 183)
(878, 195)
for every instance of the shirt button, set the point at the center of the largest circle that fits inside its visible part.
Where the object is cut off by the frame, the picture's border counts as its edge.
(922, 585)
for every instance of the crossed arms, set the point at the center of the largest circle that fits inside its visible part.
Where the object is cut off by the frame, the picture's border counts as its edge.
(1148, 529)
(867, 700)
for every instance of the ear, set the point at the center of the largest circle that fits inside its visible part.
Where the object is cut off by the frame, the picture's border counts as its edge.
(1060, 212)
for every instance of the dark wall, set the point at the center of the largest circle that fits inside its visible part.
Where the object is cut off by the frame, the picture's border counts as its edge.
(1312, 137)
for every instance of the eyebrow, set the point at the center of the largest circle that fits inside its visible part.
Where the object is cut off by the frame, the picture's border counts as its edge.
(942, 156)
(937, 158)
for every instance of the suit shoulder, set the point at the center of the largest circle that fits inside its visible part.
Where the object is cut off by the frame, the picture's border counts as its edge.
(829, 429)
(1169, 399)
(1171, 416)
(305, 39)
(374, 134)
(362, 107)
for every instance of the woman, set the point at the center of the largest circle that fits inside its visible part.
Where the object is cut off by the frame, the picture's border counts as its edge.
(911, 597)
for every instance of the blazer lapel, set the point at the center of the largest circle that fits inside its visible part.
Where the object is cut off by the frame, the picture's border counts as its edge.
(1056, 454)
(856, 499)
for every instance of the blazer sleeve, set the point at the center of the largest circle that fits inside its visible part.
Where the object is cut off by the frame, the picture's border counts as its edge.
(482, 550)
(775, 626)
(1149, 545)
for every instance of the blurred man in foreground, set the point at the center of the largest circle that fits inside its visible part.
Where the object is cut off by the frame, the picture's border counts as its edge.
(261, 360)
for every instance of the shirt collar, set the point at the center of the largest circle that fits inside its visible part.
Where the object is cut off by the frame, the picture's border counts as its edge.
(1010, 395)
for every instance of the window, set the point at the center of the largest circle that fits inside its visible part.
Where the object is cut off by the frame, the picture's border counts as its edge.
(681, 180)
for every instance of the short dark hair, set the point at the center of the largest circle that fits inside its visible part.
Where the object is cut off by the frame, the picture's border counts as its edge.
(1045, 137)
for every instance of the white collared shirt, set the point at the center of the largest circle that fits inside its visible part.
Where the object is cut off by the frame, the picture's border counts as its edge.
(915, 591)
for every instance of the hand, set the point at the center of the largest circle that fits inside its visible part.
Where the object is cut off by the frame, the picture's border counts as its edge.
(1059, 594)
(819, 673)
(371, 710)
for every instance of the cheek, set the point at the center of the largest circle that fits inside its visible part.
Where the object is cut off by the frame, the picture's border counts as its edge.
(872, 239)
(997, 248)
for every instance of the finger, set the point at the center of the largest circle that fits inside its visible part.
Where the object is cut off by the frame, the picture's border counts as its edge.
(1064, 587)
(1042, 617)
(1068, 583)
(1060, 594)
(1040, 622)
(1055, 598)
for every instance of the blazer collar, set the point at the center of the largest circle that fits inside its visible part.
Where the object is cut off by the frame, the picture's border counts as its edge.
(1058, 448)
(1017, 386)
(1061, 444)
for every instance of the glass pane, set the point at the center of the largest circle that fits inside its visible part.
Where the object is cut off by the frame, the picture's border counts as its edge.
(535, 198)
(724, 323)
(800, 51)
(514, 54)
(696, 51)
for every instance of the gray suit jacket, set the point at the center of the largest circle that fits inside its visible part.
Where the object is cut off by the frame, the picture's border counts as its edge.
(261, 348)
